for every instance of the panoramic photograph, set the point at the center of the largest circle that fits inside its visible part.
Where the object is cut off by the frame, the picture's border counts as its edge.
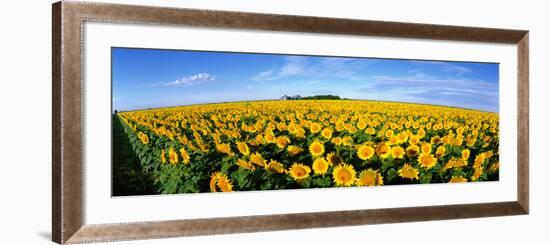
(205, 121)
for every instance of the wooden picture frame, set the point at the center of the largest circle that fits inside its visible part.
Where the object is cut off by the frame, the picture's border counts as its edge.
(68, 19)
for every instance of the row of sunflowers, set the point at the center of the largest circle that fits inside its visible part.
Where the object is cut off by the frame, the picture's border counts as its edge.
(269, 145)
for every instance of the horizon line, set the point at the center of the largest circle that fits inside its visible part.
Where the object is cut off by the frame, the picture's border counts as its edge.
(348, 99)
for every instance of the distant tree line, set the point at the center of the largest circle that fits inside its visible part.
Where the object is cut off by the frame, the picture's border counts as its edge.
(322, 97)
(315, 97)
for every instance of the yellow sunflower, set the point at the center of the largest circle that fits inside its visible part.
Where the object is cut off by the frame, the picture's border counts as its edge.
(465, 154)
(282, 141)
(292, 128)
(320, 166)
(454, 163)
(172, 156)
(427, 160)
(403, 137)
(388, 133)
(326, 133)
(281, 126)
(300, 133)
(224, 148)
(269, 137)
(426, 148)
(336, 140)
(222, 181)
(440, 151)
(274, 167)
(458, 179)
(347, 141)
(480, 158)
(408, 172)
(184, 156)
(414, 139)
(435, 140)
(340, 125)
(344, 175)
(333, 159)
(460, 130)
(370, 131)
(299, 171)
(471, 142)
(163, 156)
(365, 152)
(446, 140)
(294, 150)
(412, 150)
(361, 124)
(213, 182)
(478, 171)
(257, 159)
(393, 140)
(243, 148)
(397, 152)
(352, 129)
(260, 139)
(144, 138)
(370, 177)
(383, 150)
(316, 149)
(421, 133)
(245, 164)
(315, 127)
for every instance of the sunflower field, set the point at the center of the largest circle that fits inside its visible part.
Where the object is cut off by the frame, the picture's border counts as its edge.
(270, 145)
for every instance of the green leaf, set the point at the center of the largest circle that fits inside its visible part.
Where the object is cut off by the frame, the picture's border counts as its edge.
(306, 182)
(391, 174)
(265, 186)
(320, 181)
(241, 176)
(387, 163)
(225, 167)
(426, 178)
(195, 179)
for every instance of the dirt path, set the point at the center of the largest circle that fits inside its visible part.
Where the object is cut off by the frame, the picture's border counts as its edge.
(128, 179)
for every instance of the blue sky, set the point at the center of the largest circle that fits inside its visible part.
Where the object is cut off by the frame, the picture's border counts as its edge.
(147, 78)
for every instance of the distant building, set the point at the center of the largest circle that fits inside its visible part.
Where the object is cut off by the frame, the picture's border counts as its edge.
(285, 97)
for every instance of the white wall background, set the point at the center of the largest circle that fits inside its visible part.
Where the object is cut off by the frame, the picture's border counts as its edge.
(25, 121)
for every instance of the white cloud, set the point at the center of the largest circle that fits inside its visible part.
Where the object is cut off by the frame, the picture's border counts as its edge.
(188, 80)
(317, 68)
(294, 66)
(421, 80)
(264, 76)
(422, 88)
(446, 66)
(291, 69)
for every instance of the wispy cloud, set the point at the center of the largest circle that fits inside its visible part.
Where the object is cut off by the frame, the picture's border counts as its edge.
(316, 68)
(188, 80)
(265, 76)
(445, 66)
(294, 66)
(427, 82)
(422, 88)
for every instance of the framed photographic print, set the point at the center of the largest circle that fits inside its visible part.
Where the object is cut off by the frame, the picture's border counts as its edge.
(178, 122)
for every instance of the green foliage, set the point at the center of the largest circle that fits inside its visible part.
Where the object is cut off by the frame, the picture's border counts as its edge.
(322, 97)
